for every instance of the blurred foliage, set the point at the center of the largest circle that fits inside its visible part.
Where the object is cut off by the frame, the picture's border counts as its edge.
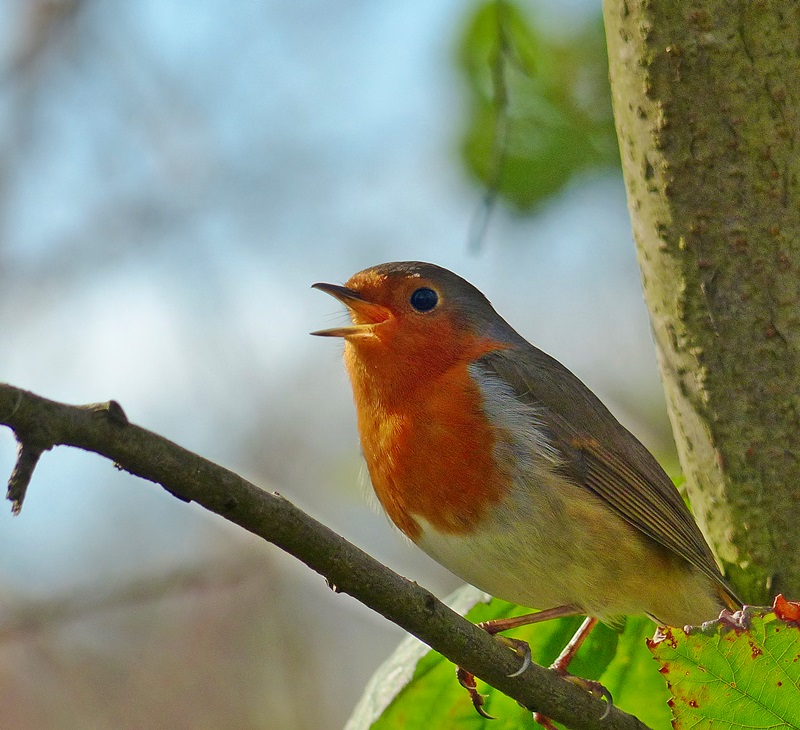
(416, 688)
(540, 107)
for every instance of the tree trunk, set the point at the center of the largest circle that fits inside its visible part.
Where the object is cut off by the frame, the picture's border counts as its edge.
(707, 106)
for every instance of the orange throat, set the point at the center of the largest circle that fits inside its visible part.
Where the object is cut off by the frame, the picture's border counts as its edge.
(429, 447)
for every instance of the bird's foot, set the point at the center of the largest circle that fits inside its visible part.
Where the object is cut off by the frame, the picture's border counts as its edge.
(520, 648)
(467, 681)
(593, 688)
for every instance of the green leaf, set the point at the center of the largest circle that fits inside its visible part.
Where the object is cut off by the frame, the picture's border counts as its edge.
(416, 688)
(412, 660)
(540, 109)
(731, 678)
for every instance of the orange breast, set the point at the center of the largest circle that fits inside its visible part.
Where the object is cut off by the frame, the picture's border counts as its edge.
(429, 449)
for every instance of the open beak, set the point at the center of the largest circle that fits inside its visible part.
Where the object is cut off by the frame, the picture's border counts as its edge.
(365, 314)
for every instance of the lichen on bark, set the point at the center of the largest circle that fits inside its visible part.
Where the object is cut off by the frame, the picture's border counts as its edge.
(707, 106)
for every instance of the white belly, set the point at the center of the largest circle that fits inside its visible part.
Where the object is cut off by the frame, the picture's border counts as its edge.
(516, 557)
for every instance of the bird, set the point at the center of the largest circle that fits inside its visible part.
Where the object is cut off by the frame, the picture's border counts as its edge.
(499, 463)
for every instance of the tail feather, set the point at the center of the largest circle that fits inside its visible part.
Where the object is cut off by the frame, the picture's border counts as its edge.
(728, 597)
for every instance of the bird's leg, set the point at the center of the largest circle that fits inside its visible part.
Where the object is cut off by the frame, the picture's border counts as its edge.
(521, 648)
(504, 624)
(571, 649)
(562, 662)
(467, 679)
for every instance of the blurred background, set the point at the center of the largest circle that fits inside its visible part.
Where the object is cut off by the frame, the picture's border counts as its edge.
(174, 176)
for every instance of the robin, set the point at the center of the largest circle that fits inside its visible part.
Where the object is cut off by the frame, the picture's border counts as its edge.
(505, 468)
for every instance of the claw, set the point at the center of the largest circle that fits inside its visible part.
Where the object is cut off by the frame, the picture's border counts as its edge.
(609, 705)
(593, 688)
(467, 681)
(526, 662)
(609, 702)
(521, 649)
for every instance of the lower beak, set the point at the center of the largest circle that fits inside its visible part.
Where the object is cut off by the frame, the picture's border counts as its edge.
(365, 314)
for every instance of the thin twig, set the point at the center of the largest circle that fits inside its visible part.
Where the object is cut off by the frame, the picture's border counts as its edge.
(27, 459)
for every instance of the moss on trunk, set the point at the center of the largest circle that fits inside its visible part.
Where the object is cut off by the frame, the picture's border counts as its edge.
(707, 106)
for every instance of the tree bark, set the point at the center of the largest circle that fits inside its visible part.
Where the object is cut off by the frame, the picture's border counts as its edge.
(707, 106)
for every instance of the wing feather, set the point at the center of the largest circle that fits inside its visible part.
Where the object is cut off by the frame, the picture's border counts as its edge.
(602, 455)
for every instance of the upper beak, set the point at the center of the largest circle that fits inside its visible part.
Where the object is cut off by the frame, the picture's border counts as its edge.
(364, 313)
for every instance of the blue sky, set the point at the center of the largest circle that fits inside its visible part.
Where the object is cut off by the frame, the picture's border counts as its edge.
(177, 175)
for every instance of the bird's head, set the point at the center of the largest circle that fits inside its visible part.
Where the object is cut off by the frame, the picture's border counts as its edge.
(412, 312)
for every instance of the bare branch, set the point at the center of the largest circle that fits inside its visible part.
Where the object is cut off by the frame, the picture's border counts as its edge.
(27, 459)
(103, 429)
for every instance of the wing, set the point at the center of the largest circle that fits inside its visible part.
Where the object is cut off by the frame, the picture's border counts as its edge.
(603, 456)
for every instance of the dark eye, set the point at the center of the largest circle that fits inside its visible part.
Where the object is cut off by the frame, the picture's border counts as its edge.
(424, 299)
